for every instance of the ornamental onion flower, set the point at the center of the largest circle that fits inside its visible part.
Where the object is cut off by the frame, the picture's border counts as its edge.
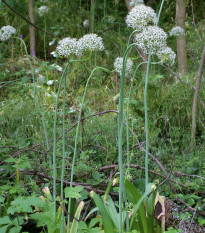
(136, 2)
(43, 10)
(6, 32)
(177, 31)
(140, 16)
(118, 65)
(66, 47)
(167, 56)
(91, 42)
(152, 39)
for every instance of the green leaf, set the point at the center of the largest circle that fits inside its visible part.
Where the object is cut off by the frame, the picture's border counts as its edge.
(201, 221)
(24, 204)
(5, 221)
(15, 229)
(74, 226)
(3, 229)
(106, 220)
(73, 192)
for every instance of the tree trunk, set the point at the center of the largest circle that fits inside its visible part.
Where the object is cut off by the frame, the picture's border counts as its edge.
(143, 55)
(32, 28)
(181, 40)
(128, 5)
(194, 107)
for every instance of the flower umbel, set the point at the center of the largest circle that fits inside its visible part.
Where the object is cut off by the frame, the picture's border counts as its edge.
(43, 10)
(177, 31)
(6, 32)
(167, 56)
(91, 42)
(118, 65)
(67, 46)
(152, 39)
(140, 16)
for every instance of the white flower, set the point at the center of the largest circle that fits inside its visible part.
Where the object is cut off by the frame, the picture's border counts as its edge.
(54, 53)
(50, 82)
(177, 31)
(91, 42)
(44, 1)
(43, 10)
(140, 16)
(66, 47)
(118, 65)
(59, 68)
(167, 56)
(136, 2)
(152, 39)
(6, 32)
(41, 78)
(86, 23)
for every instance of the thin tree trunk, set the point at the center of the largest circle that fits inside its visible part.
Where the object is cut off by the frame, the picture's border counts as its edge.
(32, 28)
(181, 40)
(145, 56)
(194, 107)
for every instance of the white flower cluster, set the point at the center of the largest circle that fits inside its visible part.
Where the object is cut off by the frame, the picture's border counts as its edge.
(167, 56)
(44, 1)
(69, 45)
(136, 2)
(6, 32)
(177, 31)
(118, 65)
(43, 10)
(140, 16)
(91, 42)
(152, 39)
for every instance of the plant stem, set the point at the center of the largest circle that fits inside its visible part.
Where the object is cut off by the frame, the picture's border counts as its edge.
(146, 122)
(54, 139)
(64, 154)
(76, 137)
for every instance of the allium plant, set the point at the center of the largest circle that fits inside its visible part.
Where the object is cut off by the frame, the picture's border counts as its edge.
(177, 31)
(43, 10)
(6, 32)
(151, 39)
(136, 2)
(167, 56)
(118, 65)
(140, 16)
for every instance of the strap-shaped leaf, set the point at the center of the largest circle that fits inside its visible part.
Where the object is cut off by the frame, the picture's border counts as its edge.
(74, 226)
(106, 220)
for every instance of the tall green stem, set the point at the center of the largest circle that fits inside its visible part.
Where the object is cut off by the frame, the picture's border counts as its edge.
(127, 117)
(146, 122)
(64, 154)
(120, 131)
(76, 137)
(54, 140)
